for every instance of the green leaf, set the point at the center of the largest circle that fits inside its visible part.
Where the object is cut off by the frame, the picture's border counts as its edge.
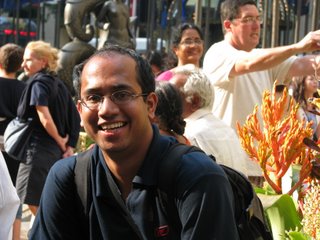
(294, 235)
(266, 190)
(282, 214)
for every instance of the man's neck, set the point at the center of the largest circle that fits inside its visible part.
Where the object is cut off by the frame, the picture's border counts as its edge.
(4, 74)
(124, 172)
(124, 166)
(228, 38)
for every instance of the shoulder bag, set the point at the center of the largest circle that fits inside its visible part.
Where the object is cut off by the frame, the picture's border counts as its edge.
(16, 138)
(19, 130)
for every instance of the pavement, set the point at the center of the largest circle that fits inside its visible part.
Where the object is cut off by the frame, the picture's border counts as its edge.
(25, 222)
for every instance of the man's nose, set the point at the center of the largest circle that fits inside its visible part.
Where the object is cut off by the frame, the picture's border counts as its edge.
(107, 106)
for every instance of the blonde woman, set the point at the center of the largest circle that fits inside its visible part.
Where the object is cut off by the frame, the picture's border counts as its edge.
(55, 119)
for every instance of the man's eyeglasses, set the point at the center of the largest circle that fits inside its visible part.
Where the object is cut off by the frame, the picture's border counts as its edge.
(189, 42)
(94, 101)
(250, 20)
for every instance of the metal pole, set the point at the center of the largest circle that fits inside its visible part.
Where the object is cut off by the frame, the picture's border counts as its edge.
(275, 24)
(297, 22)
(153, 26)
(314, 14)
(38, 19)
(150, 24)
(265, 23)
(198, 13)
(29, 20)
(16, 21)
(179, 11)
(207, 25)
(43, 20)
(286, 11)
(57, 28)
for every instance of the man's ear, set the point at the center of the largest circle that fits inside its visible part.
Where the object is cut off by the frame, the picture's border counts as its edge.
(79, 108)
(227, 25)
(151, 101)
(196, 101)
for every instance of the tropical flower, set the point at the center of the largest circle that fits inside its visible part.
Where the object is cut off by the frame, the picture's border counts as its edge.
(277, 142)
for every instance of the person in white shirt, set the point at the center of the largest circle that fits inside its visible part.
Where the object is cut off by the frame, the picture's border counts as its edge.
(9, 201)
(240, 72)
(203, 129)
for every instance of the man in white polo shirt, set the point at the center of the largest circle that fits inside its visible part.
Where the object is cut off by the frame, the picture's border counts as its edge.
(240, 72)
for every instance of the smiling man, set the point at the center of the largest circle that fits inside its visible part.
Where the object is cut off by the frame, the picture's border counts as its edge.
(116, 102)
(240, 72)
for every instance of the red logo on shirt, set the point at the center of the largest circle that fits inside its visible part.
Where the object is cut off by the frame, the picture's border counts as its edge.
(162, 231)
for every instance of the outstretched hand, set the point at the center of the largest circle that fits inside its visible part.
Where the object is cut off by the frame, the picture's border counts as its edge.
(311, 42)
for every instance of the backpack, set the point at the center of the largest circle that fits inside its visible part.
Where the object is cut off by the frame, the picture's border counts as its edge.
(249, 215)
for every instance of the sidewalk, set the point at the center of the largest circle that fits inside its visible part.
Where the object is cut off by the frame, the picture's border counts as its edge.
(25, 223)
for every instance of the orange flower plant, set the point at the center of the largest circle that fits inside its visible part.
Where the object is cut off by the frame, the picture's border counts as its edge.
(277, 143)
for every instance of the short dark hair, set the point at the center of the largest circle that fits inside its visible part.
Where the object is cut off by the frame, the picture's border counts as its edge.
(177, 35)
(155, 58)
(169, 108)
(230, 8)
(145, 76)
(11, 57)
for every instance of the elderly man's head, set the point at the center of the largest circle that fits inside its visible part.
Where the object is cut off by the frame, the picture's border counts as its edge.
(195, 87)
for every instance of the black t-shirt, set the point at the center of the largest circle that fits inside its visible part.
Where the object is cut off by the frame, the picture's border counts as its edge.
(203, 200)
(46, 90)
(10, 92)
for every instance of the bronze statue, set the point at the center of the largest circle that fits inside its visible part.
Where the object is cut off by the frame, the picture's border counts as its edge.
(113, 23)
(114, 18)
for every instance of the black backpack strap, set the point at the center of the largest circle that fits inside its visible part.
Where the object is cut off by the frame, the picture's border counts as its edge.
(165, 209)
(169, 164)
(82, 173)
(82, 179)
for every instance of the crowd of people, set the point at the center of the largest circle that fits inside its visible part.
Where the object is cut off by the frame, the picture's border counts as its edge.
(55, 120)
(134, 109)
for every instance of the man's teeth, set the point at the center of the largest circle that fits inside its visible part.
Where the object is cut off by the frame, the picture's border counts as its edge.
(112, 126)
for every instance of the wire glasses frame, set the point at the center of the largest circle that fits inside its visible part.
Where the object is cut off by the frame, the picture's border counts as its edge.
(94, 101)
(250, 20)
(189, 42)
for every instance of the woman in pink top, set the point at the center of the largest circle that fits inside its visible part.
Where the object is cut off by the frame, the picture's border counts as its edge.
(188, 47)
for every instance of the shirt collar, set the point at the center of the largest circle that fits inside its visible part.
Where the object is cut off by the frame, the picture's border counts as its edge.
(198, 114)
(148, 173)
